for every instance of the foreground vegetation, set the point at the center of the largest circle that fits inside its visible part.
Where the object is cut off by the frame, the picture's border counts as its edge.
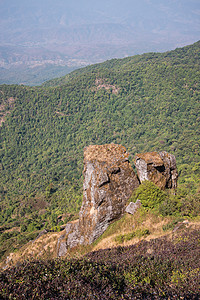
(146, 102)
(159, 269)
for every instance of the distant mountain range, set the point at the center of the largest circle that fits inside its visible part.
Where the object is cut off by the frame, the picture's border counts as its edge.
(48, 37)
(33, 65)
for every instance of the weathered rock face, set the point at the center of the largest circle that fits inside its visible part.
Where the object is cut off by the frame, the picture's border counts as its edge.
(159, 168)
(109, 181)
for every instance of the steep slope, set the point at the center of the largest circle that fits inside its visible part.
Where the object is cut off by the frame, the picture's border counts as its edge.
(164, 268)
(146, 102)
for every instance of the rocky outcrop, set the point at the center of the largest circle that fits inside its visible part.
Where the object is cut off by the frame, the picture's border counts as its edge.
(61, 246)
(158, 167)
(109, 181)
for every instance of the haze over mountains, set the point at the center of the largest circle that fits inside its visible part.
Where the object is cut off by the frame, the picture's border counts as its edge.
(45, 39)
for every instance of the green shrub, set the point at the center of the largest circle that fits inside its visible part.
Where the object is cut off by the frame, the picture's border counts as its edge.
(124, 237)
(33, 226)
(56, 228)
(119, 238)
(142, 232)
(170, 206)
(171, 225)
(23, 228)
(149, 194)
(129, 236)
(190, 205)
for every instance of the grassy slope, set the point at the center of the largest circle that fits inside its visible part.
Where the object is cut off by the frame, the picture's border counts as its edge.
(129, 230)
(164, 268)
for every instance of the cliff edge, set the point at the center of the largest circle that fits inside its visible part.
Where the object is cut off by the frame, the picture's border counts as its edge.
(109, 181)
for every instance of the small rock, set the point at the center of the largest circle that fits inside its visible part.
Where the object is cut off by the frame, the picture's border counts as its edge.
(133, 207)
(61, 246)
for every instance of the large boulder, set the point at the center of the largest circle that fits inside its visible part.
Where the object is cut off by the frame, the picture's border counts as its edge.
(109, 181)
(158, 167)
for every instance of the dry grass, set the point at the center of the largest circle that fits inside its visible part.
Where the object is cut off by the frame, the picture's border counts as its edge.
(141, 221)
(107, 152)
(45, 247)
(12, 229)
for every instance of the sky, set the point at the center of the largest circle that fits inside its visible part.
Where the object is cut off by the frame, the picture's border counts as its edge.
(170, 17)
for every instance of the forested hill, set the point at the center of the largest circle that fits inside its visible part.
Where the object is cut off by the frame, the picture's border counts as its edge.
(180, 56)
(146, 102)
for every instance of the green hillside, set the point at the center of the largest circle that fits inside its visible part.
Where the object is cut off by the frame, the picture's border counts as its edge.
(147, 102)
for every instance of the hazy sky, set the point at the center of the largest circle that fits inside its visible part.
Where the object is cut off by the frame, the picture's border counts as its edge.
(65, 12)
(80, 32)
(41, 23)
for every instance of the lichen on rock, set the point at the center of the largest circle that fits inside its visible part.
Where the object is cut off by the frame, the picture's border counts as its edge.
(109, 181)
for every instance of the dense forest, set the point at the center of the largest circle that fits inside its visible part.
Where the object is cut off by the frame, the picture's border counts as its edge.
(147, 102)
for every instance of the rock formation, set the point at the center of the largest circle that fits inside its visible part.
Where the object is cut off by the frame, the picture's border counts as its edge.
(159, 168)
(109, 181)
